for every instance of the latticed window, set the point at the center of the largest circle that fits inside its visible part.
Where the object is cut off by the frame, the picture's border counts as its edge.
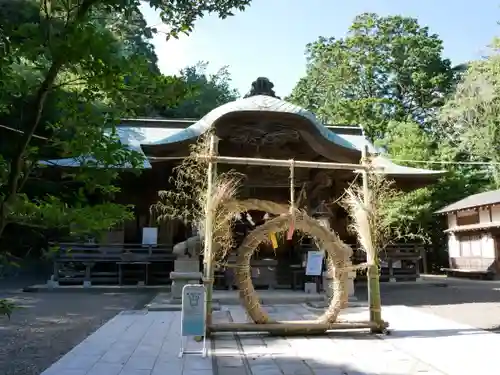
(471, 246)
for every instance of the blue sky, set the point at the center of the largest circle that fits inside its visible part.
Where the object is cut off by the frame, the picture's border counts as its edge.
(269, 38)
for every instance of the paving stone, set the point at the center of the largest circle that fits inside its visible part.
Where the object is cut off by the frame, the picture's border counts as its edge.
(336, 372)
(196, 372)
(232, 371)
(197, 363)
(229, 361)
(141, 362)
(256, 368)
(267, 371)
(105, 369)
(116, 356)
(81, 362)
(135, 372)
(56, 371)
(167, 368)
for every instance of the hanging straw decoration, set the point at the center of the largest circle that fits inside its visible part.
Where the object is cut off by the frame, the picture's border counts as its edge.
(289, 236)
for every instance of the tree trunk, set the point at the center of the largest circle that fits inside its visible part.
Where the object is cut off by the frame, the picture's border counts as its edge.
(18, 162)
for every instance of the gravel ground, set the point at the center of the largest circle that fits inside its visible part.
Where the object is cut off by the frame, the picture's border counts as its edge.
(475, 303)
(49, 325)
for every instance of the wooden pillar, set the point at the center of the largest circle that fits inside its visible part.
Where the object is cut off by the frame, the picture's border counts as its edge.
(209, 217)
(373, 276)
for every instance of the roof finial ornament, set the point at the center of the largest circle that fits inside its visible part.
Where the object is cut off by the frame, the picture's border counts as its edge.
(262, 86)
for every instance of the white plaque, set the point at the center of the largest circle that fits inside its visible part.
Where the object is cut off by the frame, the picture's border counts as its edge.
(314, 263)
(149, 236)
(193, 316)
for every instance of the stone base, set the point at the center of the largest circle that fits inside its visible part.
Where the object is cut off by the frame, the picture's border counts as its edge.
(327, 286)
(352, 302)
(186, 271)
(187, 265)
(180, 279)
(164, 302)
(52, 283)
(311, 288)
(87, 284)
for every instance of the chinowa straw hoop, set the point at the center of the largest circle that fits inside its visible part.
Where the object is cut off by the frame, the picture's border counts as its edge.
(337, 255)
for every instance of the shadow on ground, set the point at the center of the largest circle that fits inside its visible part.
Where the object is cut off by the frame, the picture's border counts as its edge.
(466, 302)
(335, 354)
(47, 325)
(419, 294)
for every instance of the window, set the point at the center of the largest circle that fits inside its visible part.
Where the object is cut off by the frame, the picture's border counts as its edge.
(468, 218)
(465, 247)
(470, 246)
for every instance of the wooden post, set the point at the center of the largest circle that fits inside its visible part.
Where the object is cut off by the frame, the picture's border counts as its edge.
(373, 267)
(209, 217)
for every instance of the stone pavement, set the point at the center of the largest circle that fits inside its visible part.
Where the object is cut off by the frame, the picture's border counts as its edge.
(134, 343)
(140, 343)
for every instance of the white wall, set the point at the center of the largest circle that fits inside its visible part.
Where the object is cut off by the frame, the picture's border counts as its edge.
(488, 246)
(484, 216)
(452, 220)
(495, 213)
(453, 246)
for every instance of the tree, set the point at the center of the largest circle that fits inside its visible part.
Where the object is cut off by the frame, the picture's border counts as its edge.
(389, 76)
(70, 46)
(206, 92)
(386, 68)
(470, 119)
(405, 141)
(68, 71)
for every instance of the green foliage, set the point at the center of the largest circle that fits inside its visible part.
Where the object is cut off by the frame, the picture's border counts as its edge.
(407, 141)
(6, 308)
(80, 218)
(470, 119)
(69, 70)
(386, 68)
(389, 76)
(206, 92)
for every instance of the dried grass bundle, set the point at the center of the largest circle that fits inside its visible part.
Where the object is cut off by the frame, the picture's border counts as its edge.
(361, 221)
(186, 199)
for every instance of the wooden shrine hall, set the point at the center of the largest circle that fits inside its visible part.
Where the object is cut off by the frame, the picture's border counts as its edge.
(260, 125)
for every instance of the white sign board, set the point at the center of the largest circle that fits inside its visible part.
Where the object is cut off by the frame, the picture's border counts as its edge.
(193, 316)
(149, 236)
(314, 263)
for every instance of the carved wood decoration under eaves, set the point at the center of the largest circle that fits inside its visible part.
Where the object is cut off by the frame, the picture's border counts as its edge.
(262, 133)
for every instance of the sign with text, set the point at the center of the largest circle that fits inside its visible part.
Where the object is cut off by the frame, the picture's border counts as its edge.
(193, 310)
(314, 264)
(149, 236)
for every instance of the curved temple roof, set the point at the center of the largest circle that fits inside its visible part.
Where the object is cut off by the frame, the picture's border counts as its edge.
(260, 103)
(136, 136)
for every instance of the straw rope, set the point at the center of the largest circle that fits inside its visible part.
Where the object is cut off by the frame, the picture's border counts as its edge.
(337, 255)
(257, 205)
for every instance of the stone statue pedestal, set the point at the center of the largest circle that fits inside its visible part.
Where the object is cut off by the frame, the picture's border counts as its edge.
(327, 285)
(186, 271)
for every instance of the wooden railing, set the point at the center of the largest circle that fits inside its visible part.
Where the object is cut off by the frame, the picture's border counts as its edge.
(398, 262)
(111, 263)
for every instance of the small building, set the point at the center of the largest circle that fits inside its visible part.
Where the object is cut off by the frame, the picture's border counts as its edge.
(474, 234)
